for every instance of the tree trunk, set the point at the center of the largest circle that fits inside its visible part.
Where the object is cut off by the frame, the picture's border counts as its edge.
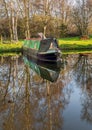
(45, 30)
(5, 4)
(14, 18)
(27, 28)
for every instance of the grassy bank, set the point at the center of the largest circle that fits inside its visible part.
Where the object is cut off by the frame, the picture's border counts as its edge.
(10, 47)
(66, 45)
(75, 44)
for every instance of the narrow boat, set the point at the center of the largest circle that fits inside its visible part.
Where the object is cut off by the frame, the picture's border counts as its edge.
(44, 70)
(46, 50)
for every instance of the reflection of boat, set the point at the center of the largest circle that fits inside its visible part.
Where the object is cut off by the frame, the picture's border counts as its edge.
(44, 70)
(46, 50)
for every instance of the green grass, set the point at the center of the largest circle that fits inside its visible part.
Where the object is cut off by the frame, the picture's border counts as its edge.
(76, 51)
(10, 54)
(10, 47)
(70, 39)
(75, 43)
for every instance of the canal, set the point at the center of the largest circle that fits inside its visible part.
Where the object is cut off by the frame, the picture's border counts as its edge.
(36, 96)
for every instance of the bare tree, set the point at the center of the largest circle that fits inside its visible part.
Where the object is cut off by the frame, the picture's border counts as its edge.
(81, 16)
(12, 16)
(63, 13)
(44, 8)
(26, 12)
(52, 17)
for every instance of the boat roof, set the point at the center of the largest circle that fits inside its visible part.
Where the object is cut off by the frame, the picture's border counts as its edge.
(40, 45)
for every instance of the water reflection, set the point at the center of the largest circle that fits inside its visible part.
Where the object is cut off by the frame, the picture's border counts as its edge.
(29, 102)
(83, 69)
(44, 70)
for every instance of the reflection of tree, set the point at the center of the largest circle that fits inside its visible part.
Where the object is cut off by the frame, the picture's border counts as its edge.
(7, 84)
(58, 98)
(26, 114)
(83, 72)
(83, 69)
(8, 75)
(87, 107)
(79, 67)
(9, 123)
(29, 105)
(49, 106)
(54, 107)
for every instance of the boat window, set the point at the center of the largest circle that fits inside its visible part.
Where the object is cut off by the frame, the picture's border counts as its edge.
(51, 46)
(44, 45)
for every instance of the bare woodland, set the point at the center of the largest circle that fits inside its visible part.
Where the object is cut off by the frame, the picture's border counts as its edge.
(21, 19)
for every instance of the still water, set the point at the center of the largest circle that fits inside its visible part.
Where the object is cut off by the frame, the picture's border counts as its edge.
(41, 97)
